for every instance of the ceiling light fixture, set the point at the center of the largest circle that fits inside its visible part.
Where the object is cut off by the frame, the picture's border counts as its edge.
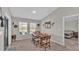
(34, 12)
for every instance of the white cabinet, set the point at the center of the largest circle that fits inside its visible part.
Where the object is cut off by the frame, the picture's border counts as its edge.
(1, 39)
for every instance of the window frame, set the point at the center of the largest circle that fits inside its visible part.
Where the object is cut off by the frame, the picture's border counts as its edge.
(30, 27)
(20, 24)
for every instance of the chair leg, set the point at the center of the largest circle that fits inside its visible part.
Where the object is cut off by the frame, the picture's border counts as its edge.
(49, 45)
(45, 48)
(36, 43)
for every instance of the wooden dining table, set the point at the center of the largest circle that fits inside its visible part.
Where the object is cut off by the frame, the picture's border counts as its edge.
(42, 39)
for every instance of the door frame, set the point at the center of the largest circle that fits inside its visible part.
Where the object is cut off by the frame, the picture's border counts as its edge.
(64, 27)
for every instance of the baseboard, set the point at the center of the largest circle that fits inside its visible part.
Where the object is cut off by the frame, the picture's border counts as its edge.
(23, 38)
(58, 42)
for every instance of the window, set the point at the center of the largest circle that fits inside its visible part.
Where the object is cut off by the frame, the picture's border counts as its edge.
(23, 28)
(32, 27)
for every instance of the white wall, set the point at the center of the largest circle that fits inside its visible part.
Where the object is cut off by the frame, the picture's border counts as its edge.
(16, 21)
(6, 12)
(78, 32)
(1, 38)
(57, 17)
(71, 23)
(0, 11)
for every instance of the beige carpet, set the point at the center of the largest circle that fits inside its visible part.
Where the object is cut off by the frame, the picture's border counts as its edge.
(27, 45)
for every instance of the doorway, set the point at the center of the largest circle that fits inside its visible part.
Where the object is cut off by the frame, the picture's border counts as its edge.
(71, 32)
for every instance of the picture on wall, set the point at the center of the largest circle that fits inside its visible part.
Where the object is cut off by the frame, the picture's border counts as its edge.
(47, 24)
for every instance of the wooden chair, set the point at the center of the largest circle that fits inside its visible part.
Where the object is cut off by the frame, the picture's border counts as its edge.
(35, 40)
(13, 38)
(45, 42)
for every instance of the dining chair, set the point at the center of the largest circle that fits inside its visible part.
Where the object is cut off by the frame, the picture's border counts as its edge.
(45, 42)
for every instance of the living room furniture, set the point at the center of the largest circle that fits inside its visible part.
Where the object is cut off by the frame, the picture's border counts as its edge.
(68, 34)
(13, 38)
(75, 34)
(71, 34)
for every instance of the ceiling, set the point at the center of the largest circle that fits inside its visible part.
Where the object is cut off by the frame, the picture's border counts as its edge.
(36, 13)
